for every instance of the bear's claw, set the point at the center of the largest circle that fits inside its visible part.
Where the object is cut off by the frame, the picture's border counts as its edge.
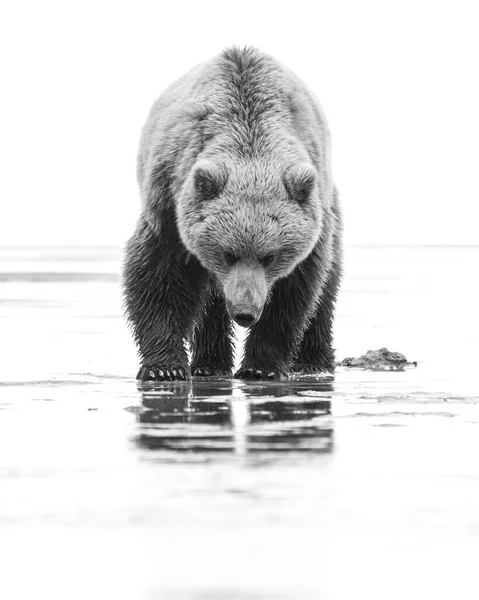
(155, 373)
(257, 374)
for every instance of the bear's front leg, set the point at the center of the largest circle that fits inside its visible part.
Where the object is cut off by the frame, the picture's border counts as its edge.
(316, 354)
(275, 337)
(164, 290)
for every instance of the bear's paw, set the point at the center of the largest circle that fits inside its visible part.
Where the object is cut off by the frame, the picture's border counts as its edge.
(259, 374)
(209, 371)
(161, 373)
(311, 369)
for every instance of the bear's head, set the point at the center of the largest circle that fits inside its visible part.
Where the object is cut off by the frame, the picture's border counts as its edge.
(249, 225)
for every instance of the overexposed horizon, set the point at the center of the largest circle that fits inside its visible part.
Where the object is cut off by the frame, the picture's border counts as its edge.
(398, 84)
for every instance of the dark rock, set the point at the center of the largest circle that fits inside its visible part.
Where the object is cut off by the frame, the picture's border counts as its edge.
(378, 360)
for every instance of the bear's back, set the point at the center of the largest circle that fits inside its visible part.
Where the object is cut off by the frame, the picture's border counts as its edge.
(240, 103)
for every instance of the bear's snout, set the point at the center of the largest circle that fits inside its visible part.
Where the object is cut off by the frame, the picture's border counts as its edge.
(244, 315)
(245, 291)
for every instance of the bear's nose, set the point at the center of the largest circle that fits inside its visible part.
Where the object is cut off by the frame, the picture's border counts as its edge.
(245, 315)
(245, 319)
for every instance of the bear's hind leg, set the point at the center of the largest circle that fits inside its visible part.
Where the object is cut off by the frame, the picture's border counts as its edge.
(212, 343)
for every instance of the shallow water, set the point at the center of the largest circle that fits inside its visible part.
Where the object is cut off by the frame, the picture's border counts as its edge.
(362, 486)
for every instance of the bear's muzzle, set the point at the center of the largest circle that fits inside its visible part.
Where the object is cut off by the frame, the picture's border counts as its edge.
(245, 291)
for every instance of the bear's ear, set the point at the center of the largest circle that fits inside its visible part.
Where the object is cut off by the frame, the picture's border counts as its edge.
(210, 179)
(299, 181)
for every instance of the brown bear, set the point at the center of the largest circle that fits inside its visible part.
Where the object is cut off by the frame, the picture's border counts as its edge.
(240, 222)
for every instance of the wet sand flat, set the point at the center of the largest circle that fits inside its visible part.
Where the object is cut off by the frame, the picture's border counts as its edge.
(365, 485)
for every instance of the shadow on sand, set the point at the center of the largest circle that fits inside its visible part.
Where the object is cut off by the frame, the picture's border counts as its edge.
(230, 416)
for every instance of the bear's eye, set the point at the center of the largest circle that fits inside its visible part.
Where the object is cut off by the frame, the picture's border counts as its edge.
(267, 260)
(230, 258)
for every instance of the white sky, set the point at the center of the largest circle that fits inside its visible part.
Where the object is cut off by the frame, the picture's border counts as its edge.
(399, 82)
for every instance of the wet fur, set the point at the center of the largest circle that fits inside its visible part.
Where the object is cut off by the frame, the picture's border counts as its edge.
(259, 119)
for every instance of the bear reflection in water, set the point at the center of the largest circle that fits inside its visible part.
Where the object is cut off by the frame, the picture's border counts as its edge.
(225, 416)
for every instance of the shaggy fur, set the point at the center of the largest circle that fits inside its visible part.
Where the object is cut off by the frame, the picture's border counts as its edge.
(240, 218)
